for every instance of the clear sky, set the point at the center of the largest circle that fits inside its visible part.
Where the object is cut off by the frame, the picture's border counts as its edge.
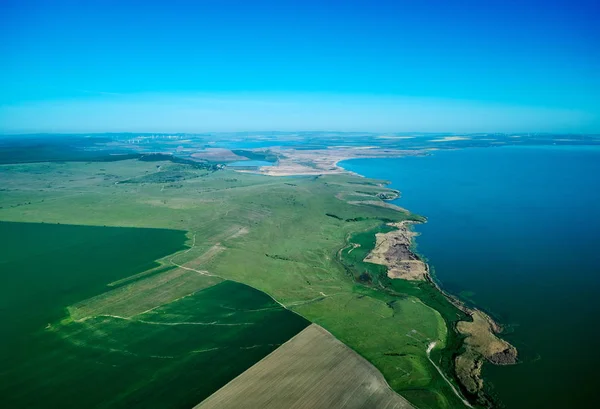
(221, 65)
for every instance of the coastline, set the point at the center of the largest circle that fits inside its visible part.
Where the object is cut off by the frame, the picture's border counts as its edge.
(480, 335)
(292, 162)
(475, 333)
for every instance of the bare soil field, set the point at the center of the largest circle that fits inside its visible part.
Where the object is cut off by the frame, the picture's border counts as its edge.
(324, 161)
(313, 370)
(393, 251)
(217, 155)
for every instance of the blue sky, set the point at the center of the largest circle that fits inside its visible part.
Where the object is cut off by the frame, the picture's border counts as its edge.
(211, 65)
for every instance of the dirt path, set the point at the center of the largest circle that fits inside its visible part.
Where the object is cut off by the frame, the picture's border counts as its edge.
(429, 349)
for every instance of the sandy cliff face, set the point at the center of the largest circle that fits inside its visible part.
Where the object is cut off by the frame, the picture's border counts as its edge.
(393, 251)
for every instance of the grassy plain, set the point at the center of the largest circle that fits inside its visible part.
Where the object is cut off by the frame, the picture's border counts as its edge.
(289, 237)
(45, 267)
(165, 339)
(311, 371)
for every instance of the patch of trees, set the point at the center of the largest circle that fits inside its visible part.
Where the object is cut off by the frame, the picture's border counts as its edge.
(359, 219)
(157, 157)
(265, 155)
(277, 257)
(363, 183)
(365, 277)
(163, 177)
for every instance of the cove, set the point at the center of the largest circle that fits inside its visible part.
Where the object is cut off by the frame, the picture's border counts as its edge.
(515, 231)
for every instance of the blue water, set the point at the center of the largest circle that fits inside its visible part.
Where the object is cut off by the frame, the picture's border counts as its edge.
(516, 231)
(246, 163)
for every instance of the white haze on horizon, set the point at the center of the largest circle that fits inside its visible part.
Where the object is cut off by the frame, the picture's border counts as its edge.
(107, 112)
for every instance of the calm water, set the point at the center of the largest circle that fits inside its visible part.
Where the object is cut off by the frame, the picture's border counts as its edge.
(516, 230)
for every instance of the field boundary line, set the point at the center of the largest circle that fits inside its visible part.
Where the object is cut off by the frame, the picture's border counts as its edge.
(199, 405)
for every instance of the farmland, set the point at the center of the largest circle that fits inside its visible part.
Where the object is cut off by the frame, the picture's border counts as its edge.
(311, 371)
(169, 338)
(287, 237)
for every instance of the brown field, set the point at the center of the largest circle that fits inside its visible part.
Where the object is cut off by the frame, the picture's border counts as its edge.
(217, 155)
(311, 371)
(393, 250)
(482, 338)
(481, 343)
(324, 161)
(145, 294)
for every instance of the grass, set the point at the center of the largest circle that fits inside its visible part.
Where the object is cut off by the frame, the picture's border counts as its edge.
(424, 292)
(143, 295)
(166, 339)
(274, 234)
(46, 267)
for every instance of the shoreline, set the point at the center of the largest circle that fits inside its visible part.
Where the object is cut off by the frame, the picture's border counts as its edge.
(480, 335)
(396, 251)
(481, 341)
(293, 162)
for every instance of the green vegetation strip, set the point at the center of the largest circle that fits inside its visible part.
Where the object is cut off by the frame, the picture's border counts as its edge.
(393, 290)
(110, 354)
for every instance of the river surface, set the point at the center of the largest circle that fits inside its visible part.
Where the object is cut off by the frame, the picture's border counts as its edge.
(516, 231)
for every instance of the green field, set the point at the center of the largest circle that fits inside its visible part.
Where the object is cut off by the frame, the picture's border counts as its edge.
(46, 267)
(63, 346)
(426, 293)
(289, 237)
